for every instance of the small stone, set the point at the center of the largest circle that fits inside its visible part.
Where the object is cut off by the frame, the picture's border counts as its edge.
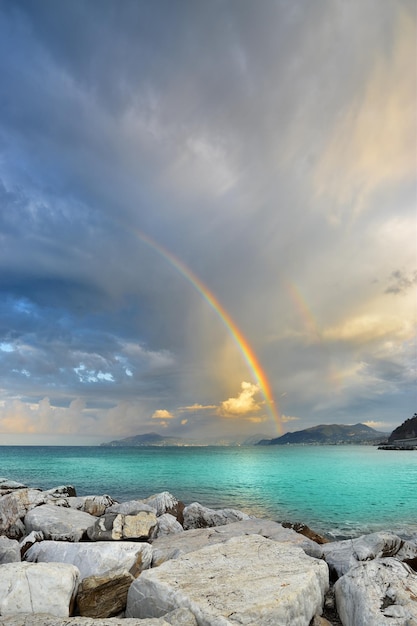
(104, 596)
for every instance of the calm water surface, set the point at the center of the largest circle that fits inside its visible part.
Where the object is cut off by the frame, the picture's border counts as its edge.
(337, 490)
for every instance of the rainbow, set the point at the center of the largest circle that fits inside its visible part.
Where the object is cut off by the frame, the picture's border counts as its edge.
(241, 341)
(313, 330)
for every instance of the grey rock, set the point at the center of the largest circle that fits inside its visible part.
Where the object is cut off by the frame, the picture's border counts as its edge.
(173, 546)
(58, 523)
(163, 502)
(7, 486)
(14, 506)
(34, 537)
(9, 550)
(166, 525)
(117, 526)
(38, 587)
(247, 580)
(94, 559)
(198, 516)
(131, 507)
(342, 555)
(94, 505)
(378, 592)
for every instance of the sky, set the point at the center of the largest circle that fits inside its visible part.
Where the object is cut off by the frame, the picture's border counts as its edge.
(207, 217)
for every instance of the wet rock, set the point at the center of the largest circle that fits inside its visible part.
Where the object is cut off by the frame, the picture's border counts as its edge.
(248, 579)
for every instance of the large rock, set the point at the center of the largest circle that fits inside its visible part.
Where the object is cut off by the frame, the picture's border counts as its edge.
(7, 486)
(38, 587)
(94, 559)
(94, 505)
(378, 592)
(198, 516)
(116, 526)
(173, 546)
(9, 550)
(247, 580)
(179, 617)
(167, 525)
(342, 555)
(165, 502)
(131, 507)
(14, 506)
(104, 596)
(58, 523)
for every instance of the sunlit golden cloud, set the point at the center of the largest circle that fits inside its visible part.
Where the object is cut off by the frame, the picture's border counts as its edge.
(162, 414)
(243, 404)
(197, 407)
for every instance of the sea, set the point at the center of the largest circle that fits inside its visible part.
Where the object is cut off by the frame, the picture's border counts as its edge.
(338, 491)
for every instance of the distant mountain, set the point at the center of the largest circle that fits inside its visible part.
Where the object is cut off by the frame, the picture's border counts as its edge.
(153, 439)
(407, 430)
(148, 439)
(253, 440)
(328, 434)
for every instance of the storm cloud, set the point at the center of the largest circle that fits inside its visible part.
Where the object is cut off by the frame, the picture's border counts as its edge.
(269, 148)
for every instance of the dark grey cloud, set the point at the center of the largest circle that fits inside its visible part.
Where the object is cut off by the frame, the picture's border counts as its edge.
(401, 282)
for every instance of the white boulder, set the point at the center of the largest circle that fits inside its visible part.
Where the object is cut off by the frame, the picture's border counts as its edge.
(247, 580)
(94, 559)
(38, 587)
(14, 506)
(94, 505)
(58, 523)
(131, 507)
(173, 546)
(167, 525)
(342, 555)
(378, 592)
(165, 502)
(198, 516)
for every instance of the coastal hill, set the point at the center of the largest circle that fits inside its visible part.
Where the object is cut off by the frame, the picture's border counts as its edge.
(153, 439)
(149, 439)
(407, 430)
(328, 434)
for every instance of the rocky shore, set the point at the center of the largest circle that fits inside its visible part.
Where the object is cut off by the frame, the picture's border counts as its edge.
(91, 561)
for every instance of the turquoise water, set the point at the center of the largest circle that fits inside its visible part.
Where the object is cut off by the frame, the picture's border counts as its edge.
(341, 491)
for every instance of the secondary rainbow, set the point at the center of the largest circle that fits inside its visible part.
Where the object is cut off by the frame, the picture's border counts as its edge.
(241, 341)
